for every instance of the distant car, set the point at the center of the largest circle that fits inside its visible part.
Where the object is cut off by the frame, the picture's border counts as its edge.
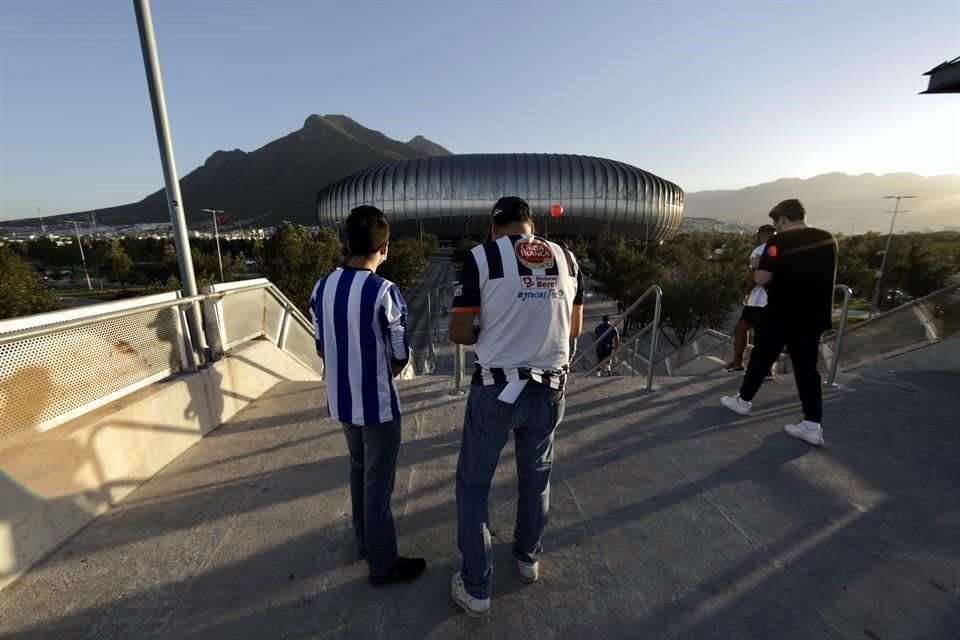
(894, 298)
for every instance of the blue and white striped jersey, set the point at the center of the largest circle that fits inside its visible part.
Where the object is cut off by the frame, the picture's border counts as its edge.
(360, 324)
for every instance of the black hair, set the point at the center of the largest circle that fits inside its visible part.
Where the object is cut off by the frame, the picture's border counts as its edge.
(790, 209)
(367, 230)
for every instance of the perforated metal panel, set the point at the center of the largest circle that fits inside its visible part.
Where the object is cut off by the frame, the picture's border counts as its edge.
(49, 379)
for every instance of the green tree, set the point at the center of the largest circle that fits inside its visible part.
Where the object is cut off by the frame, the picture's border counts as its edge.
(928, 271)
(116, 265)
(429, 244)
(406, 261)
(294, 259)
(21, 291)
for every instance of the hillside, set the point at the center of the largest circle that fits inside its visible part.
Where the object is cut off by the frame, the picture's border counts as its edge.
(840, 202)
(276, 182)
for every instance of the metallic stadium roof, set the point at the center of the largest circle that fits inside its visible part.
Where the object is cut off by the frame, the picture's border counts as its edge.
(452, 195)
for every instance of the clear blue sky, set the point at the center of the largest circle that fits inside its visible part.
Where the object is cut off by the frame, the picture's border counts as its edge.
(706, 94)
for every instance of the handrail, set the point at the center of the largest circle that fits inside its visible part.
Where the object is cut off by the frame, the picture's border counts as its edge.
(912, 303)
(45, 330)
(653, 326)
(847, 293)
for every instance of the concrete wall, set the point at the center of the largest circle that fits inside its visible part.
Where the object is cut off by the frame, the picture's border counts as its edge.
(55, 483)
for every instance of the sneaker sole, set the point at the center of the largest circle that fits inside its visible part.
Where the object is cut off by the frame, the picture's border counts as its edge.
(735, 410)
(529, 580)
(817, 442)
(471, 612)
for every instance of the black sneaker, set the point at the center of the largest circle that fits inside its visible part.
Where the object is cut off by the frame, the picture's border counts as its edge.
(403, 570)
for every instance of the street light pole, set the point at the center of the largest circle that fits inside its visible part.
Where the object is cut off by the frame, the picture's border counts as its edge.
(883, 263)
(151, 63)
(83, 258)
(216, 234)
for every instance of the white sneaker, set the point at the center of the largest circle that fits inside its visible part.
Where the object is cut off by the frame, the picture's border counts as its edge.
(529, 572)
(735, 404)
(475, 607)
(806, 430)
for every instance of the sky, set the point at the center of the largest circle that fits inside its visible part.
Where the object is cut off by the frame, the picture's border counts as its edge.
(709, 95)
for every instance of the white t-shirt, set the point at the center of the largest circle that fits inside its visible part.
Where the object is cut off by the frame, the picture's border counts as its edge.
(758, 295)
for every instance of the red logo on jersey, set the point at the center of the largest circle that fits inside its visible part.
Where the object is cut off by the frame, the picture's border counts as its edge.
(772, 250)
(534, 253)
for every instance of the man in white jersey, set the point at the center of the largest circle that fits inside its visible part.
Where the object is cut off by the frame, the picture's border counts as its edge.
(527, 294)
(360, 325)
(756, 299)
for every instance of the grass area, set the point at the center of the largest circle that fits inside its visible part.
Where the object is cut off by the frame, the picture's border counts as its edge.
(860, 304)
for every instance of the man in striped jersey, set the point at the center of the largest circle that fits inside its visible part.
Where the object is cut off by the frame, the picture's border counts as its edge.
(360, 324)
(527, 294)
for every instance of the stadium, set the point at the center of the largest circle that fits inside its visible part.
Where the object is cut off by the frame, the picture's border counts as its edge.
(451, 196)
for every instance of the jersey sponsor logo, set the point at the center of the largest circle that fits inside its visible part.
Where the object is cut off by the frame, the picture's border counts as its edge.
(458, 291)
(534, 254)
(539, 282)
(772, 250)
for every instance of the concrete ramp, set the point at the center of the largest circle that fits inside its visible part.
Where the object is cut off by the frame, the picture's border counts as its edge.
(671, 518)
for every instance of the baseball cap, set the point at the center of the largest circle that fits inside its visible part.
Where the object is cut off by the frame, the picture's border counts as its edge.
(766, 227)
(509, 209)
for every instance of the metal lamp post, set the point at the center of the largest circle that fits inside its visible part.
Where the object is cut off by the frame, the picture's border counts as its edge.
(83, 258)
(886, 251)
(216, 234)
(181, 241)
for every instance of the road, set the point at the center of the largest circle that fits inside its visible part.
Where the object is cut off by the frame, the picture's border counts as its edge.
(439, 272)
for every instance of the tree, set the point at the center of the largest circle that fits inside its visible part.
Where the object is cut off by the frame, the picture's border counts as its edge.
(406, 261)
(294, 259)
(429, 244)
(21, 291)
(116, 265)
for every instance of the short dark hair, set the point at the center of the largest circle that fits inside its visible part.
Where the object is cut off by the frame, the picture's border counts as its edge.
(606, 318)
(510, 209)
(367, 230)
(790, 209)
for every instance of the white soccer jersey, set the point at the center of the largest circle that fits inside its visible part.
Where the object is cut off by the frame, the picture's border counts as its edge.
(524, 289)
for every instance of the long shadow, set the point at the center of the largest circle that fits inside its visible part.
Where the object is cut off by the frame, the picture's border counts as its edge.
(918, 476)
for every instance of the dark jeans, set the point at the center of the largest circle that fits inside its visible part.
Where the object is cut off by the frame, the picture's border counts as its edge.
(373, 467)
(486, 429)
(803, 345)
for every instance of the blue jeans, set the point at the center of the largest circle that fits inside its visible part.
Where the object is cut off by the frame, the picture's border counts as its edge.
(486, 429)
(373, 467)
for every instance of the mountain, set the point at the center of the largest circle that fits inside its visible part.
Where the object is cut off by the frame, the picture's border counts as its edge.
(840, 202)
(278, 181)
(430, 148)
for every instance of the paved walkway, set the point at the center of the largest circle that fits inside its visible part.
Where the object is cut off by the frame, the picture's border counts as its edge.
(671, 518)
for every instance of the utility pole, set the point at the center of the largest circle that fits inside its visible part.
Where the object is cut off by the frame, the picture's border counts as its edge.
(83, 258)
(883, 263)
(216, 234)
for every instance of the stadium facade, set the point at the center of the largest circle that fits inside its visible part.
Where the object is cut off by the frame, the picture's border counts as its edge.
(451, 195)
